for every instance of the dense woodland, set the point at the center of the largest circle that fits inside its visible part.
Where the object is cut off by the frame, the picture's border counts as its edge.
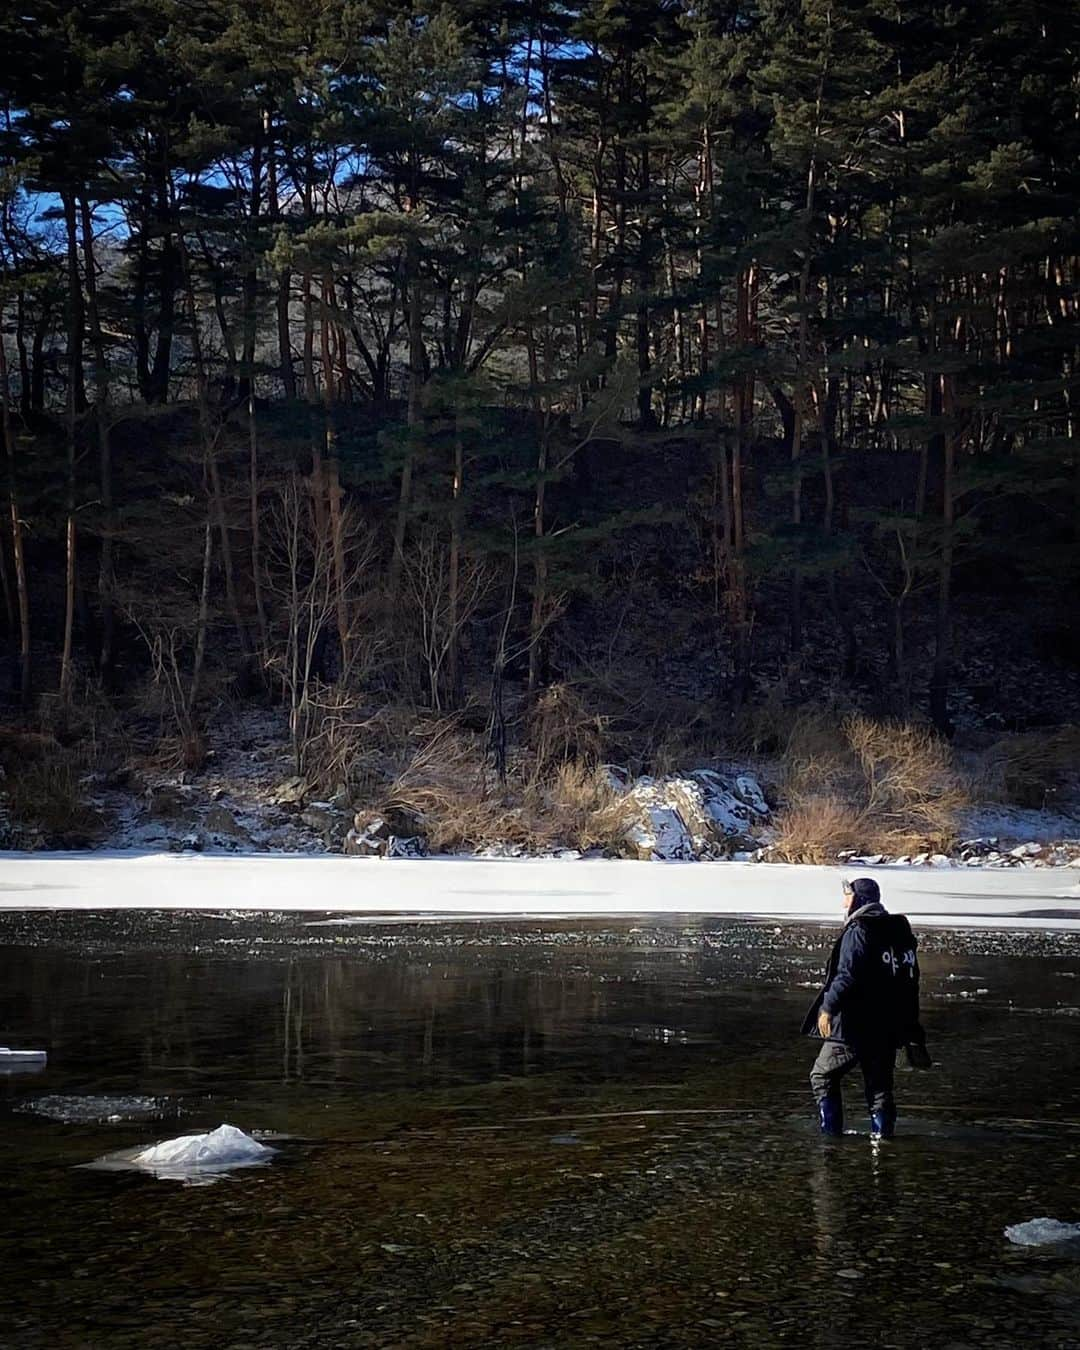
(691, 354)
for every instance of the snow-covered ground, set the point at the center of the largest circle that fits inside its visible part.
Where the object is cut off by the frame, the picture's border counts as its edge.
(541, 887)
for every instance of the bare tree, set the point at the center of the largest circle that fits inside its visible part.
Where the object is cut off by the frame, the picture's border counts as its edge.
(177, 650)
(446, 593)
(312, 566)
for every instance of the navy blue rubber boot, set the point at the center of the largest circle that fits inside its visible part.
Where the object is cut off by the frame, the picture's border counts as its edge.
(831, 1115)
(882, 1124)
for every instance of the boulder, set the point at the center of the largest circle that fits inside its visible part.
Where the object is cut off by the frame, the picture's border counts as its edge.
(376, 841)
(389, 820)
(220, 820)
(704, 815)
(659, 833)
(411, 847)
(191, 842)
(327, 820)
(977, 848)
(368, 838)
(169, 802)
(373, 823)
(291, 792)
(731, 805)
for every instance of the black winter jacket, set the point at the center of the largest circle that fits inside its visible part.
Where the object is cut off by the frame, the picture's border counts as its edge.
(871, 989)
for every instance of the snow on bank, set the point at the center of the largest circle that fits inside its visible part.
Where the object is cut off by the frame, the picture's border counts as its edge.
(540, 887)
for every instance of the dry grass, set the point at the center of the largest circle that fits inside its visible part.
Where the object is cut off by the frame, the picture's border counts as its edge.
(1029, 769)
(446, 787)
(584, 809)
(815, 828)
(449, 789)
(45, 801)
(881, 787)
(561, 729)
(910, 783)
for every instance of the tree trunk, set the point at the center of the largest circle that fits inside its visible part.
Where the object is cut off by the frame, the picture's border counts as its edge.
(334, 493)
(941, 673)
(251, 274)
(102, 415)
(703, 205)
(253, 509)
(75, 381)
(9, 594)
(209, 449)
(740, 600)
(140, 292)
(540, 569)
(202, 619)
(169, 272)
(37, 361)
(804, 377)
(453, 671)
(412, 415)
(15, 521)
(542, 409)
(611, 321)
(284, 280)
(24, 360)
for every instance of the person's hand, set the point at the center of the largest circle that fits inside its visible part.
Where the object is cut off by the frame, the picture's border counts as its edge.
(824, 1024)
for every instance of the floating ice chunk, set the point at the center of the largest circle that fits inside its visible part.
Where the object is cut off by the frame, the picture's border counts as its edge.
(71, 1110)
(22, 1061)
(1042, 1232)
(224, 1147)
(192, 1157)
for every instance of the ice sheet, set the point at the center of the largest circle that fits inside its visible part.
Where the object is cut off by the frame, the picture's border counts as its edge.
(1047, 898)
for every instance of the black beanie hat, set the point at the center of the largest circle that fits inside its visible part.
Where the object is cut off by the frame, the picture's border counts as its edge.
(866, 891)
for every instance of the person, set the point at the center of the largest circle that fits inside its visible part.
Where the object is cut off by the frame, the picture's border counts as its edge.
(867, 1010)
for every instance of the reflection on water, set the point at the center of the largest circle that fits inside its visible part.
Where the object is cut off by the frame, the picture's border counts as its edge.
(494, 1135)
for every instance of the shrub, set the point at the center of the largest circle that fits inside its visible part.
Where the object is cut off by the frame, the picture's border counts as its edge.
(881, 787)
(581, 807)
(562, 728)
(1029, 769)
(47, 805)
(449, 788)
(816, 828)
(910, 785)
(444, 784)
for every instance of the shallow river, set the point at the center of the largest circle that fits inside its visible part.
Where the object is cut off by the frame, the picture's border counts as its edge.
(565, 1134)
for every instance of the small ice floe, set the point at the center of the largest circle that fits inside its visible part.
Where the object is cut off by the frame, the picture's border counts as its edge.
(22, 1061)
(193, 1158)
(1042, 1232)
(71, 1110)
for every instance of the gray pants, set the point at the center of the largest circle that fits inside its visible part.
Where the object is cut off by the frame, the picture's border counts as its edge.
(835, 1060)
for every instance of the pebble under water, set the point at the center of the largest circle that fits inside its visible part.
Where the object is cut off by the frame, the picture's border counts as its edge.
(546, 1134)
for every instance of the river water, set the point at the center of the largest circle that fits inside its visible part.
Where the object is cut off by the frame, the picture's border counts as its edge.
(562, 1134)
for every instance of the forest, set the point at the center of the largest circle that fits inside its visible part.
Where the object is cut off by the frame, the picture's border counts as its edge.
(605, 381)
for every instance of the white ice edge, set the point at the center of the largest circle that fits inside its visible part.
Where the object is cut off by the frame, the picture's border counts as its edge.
(1017, 898)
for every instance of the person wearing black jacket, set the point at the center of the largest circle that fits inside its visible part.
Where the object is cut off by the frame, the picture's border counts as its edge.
(867, 1009)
